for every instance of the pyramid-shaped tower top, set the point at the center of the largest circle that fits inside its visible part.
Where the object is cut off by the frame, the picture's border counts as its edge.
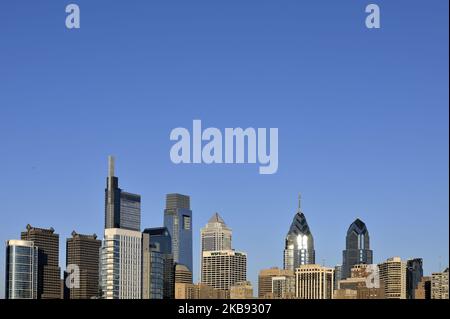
(216, 219)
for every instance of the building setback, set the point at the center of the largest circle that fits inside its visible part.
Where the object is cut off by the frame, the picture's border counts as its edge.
(84, 252)
(21, 270)
(49, 273)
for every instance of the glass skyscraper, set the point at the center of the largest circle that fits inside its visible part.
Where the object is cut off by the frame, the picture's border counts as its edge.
(299, 243)
(414, 274)
(178, 221)
(357, 247)
(21, 270)
(122, 209)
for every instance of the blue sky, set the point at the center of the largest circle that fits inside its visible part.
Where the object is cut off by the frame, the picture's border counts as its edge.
(362, 117)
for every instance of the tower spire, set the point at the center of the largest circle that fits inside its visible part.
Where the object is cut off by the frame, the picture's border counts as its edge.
(110, 166)
(299, 201)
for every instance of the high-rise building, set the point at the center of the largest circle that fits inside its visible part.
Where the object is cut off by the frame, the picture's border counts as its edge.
(357, 247)
(223, 268)
(84, 252)
(393, 278)
(21, 270)
(152, 268)
(47, 242)
(314, 282)
(414, 273)
(122, 209)
(215, 236)
(439, 285)
(120, 264)
(161, 241)
(178, 220)
(299, 244)
(241, 290)
(275, 283)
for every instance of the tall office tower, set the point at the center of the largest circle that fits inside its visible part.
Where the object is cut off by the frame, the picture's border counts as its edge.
(414, 273)
(439, 285)
(275, 283)
(337, 276)
(314, 282)
(178, 220)
(393, 278)
(357, 247)
(223, 268)
(215, 236)
(47, 242)
(241, 290)
(299, 244)
(21, 270)
(122, 209)
(120, 264)
(152, 269)
(182, 274)
(423, 290)
(83, 251)
(160, 242)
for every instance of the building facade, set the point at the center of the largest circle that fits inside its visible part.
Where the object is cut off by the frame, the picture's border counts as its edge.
(120, 264)
(439, 285)
(84, 252)
(21, 280)
(357, 247)
(393, 278)
(122, 209)
(182, 274)
(198, 291)
(241, 290)
(152, 268)
(299, 243)
(178, 221)
(360, 285)
(414, 274)
(275, 283)
(49, 272)
(314, 282)
(222, 269)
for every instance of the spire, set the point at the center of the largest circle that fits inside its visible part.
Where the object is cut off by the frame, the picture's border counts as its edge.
(110, 166)
(299, 201)
(216, 219)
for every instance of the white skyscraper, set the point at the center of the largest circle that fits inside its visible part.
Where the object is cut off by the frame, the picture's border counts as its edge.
(120, 263)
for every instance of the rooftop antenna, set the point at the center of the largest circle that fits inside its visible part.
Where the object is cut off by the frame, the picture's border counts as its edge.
(299, 201)
(110, 166)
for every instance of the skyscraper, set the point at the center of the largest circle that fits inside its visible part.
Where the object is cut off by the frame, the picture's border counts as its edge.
(314, 282)
(83, 251)
(299, 244)
(21, 270)
(120, 264)
(357, 247)
(178, 220)
(47, 242)
(414, 273)
(161, 241)
(122, 209)
(222, 269)
(393, 278)
(215, 236)
(152, 268)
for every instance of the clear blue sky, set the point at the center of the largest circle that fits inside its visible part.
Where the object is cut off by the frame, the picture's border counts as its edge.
(362, 117)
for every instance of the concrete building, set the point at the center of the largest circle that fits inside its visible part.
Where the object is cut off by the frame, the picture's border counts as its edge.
(241, 290)
(275, 283)
(182, 274)
(359, 284)
(439, 285)
(198, 291)
(314, 282)
(222, 269)
(84, 252)
(423, 290)
(49, 272)
(393, 277)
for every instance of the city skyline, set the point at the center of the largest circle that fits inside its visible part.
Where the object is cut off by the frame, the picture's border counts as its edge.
(362, 118)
